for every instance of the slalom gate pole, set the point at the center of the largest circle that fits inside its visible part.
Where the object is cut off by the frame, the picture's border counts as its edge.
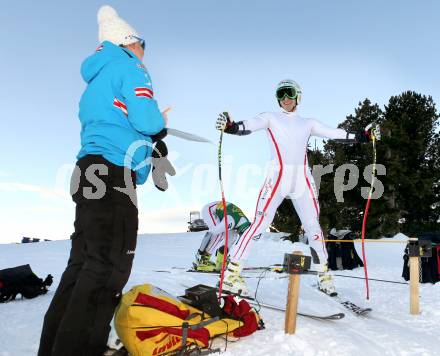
(225, 255)
(367, 207)
(416, 250)
(292, 301)
(295, 264)
(414, 294)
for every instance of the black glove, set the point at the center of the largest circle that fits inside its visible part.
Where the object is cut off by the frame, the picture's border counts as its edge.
(161, 165)
(367, 135)
(224, 123)
(160, 135)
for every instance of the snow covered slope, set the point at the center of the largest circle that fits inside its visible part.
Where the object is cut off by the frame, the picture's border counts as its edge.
(388, 330)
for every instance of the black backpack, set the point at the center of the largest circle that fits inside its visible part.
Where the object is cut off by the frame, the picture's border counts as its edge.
(21, 280)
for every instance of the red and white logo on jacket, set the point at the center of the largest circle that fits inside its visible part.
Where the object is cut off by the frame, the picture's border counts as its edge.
(144, 91)
(119, 104)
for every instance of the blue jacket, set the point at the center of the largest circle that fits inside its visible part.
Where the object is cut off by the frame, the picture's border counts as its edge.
(117, 109)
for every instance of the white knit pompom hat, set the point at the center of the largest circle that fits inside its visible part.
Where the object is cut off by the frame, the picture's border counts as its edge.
(114, 29)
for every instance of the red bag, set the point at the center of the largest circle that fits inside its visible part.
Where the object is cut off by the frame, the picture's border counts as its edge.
(243, 312)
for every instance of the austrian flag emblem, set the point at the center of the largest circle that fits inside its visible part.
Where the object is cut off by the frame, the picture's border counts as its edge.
(144, 91)
(119, 104)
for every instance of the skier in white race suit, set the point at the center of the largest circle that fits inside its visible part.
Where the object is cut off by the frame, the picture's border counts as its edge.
(288, 176)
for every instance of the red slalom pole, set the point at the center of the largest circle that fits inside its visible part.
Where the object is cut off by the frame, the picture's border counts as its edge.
(367, 207)
(364, 258)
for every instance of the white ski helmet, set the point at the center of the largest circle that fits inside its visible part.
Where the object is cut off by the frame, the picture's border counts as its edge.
(289, 83)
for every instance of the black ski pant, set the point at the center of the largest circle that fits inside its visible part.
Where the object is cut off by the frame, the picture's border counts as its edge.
(103, 244)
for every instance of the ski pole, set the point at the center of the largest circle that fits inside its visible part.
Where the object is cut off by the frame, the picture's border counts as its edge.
(374, 132)
(222, 274)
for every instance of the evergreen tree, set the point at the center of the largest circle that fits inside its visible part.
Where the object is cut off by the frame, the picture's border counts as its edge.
(434, 159)
(412, 160)
(349, 213)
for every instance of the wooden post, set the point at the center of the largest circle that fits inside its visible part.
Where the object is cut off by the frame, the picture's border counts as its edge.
(292, 301)
(414, 308)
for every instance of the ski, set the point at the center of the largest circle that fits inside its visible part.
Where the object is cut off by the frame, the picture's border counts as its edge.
(274, 268)
(203, 272)
(349, 305)
(360, 311)
(256, 303)
(257, 273)
(245, 269)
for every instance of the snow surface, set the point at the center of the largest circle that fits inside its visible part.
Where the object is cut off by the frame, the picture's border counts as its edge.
(388, 330)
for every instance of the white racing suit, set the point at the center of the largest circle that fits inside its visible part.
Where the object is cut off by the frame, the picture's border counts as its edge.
(288, 176)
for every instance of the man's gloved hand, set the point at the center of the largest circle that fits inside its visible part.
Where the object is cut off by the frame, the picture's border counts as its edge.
(225, 124)
(161, 165)
(160, 135)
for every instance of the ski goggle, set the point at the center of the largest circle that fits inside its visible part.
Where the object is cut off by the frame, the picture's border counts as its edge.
(140, 40)
(291, 93)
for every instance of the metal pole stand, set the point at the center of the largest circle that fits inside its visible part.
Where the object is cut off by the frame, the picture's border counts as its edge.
(294, 264)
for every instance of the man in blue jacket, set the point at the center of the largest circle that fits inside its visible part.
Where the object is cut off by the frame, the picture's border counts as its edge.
(119, 117)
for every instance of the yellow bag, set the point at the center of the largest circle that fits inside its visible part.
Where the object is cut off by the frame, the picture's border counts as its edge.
(149, 321)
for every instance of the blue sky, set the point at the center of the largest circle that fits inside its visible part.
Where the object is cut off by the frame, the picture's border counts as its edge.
(204, 57)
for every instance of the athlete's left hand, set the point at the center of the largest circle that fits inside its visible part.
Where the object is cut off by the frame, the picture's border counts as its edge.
(362, 136)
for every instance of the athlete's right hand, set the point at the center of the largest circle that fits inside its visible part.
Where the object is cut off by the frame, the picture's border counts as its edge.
(223, 120)
(367, 135)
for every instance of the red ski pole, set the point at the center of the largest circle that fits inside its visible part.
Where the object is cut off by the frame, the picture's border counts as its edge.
(374, 132)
